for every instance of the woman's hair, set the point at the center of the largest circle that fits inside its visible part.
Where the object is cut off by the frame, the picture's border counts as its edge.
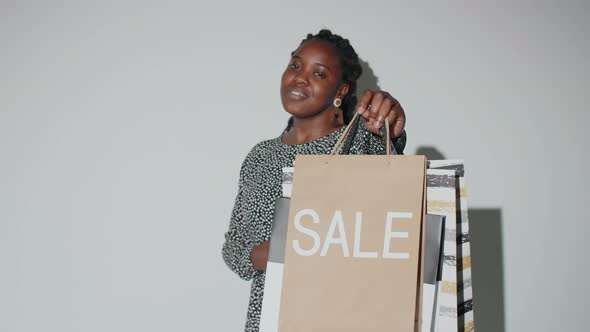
(351, 69)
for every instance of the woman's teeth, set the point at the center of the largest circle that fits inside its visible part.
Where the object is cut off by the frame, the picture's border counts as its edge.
(297, 93)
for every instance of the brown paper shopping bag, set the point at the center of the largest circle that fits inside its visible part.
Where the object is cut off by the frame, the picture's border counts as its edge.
(354, 243)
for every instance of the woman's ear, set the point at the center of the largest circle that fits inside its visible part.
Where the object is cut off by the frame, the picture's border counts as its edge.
(342, 91)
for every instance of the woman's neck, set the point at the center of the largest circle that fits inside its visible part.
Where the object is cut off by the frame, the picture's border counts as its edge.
(305, 130)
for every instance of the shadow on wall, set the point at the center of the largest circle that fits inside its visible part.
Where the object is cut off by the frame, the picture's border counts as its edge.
(368, 80)
(487, 266)
(430, 152)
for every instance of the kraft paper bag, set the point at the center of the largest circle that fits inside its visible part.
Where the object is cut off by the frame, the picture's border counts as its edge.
(354, 244)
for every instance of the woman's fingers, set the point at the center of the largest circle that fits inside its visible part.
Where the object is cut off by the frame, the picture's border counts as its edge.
(375, 103)
(385, 106)
(398, 119)
(259, 255)
(364, 102)
(379, 106)
(370, 123)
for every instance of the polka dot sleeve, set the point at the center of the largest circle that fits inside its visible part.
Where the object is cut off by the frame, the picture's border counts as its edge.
(236, 249)
(399, 143)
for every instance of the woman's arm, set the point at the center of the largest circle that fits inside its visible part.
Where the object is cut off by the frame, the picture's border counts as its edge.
(236, 249)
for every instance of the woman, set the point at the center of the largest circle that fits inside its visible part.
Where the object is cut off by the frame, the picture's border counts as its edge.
(318, 90)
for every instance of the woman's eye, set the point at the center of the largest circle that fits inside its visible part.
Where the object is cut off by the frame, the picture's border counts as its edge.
(320, 74)
(294, 66)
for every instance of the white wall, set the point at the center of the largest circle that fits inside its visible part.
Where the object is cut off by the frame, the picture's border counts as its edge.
(123, 125)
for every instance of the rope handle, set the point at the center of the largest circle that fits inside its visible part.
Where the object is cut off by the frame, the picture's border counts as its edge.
(342, 138)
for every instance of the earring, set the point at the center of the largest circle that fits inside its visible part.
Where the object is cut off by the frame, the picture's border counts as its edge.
(339, 119)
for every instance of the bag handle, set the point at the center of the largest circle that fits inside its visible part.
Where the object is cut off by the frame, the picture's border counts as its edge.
(338, 144)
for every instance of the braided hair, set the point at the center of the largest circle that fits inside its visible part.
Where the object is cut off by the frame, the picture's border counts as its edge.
(351, 70)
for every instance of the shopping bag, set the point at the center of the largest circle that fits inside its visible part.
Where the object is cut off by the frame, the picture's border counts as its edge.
(441, 200)
(464, 288)
(273, 282)
(434, 236)
(353, 250)
(447, 196)
(433, 239)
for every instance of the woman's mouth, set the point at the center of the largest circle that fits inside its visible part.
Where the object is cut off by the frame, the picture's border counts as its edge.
(297, 93)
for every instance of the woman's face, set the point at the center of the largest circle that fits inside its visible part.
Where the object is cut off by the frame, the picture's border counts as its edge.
(312, 79)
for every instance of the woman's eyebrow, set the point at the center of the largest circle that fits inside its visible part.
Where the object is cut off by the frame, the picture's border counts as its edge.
(317, 63)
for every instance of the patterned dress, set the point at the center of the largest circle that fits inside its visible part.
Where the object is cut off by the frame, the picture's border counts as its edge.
(258, 188)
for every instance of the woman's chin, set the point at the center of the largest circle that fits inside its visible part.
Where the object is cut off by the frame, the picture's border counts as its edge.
(299, 113)
(299, 110)
(294, 110)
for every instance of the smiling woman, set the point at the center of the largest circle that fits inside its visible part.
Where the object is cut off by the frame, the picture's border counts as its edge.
(318, 90)
(312, 80)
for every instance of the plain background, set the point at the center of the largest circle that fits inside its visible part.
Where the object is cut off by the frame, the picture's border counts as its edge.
(123, 126)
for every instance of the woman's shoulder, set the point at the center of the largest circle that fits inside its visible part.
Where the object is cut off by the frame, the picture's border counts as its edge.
(261, 150)
(263, 147)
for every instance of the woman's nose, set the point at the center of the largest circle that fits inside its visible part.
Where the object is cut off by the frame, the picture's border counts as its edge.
(301, 78)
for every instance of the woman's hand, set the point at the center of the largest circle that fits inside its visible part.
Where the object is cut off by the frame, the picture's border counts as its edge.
(259, 256)
(379, 106)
